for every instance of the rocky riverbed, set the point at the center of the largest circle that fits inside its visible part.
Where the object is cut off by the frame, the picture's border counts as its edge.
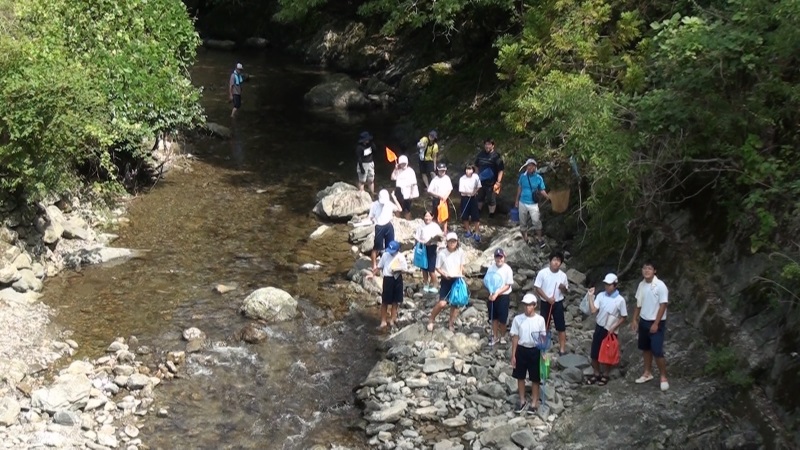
(442, 390)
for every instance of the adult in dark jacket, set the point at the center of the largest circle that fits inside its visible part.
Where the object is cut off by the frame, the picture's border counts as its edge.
(490, 171)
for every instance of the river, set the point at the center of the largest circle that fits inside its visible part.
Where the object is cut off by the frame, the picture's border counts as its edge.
(241, 215)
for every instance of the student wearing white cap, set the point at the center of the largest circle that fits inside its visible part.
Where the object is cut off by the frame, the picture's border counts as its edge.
(450, 267)
(405, 184)
(528, 331)
(529, 185)
(235, 88)
(611, 312)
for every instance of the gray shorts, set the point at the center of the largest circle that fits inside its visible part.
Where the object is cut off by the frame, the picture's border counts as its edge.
(529, 217)
(369, 172)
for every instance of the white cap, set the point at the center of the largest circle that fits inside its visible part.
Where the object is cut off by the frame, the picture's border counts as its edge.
(403, 159)
(452, 236)
(529, 161)
(610, 279)
(529, 299)
(239, 66)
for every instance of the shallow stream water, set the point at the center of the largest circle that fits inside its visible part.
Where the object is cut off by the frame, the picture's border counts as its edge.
(241, 215)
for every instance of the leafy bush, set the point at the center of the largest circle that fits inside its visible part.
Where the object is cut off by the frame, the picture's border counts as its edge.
(80, 79)
(723, 362)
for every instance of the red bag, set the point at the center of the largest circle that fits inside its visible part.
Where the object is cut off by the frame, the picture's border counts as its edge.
(609, 350)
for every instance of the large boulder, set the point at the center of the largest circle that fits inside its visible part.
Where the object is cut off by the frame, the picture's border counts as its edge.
(54, 227)
(70, 391)
(9, 411)
(343, 205)
(337, 91)
(218, 44)
(270, 304)
(335, 188)
(519, 255)
(12, 297)
(27, 282)
(217, 130)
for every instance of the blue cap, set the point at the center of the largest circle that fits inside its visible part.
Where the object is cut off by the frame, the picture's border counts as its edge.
(364, 136)
(393, 247)
(433, 134)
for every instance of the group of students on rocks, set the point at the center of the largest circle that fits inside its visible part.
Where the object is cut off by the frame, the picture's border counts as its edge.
(446, 260)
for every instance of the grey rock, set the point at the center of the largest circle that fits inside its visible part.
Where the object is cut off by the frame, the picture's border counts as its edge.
(80, 367)
(576, 277)
(433, 365)
(124, 370)
(320, 231)
(482, 400)
(22, 261)
(382, 373)
(137, 381)
(27, 282)
(9, 274)
(69, 391)
(77, 228)
(338, 91)
(335, 188)
(463, 345)
(389, 413)
(9, 411)
(572, 360)
(256, 42)
(12, 370)
(66, 418)
(572, 375)
(219, 44)
(343, 205)
(454, 422)
(499, 436)
(270, 304)
(252, 334)
(447, 444)
(193, 333)
(493, 390)
(8, 235)
(524, 438)
(518, 253)
(375, 428)
(217, 130)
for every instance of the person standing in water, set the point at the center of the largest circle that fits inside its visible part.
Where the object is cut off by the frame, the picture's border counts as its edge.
(365, 166)
(235, 88)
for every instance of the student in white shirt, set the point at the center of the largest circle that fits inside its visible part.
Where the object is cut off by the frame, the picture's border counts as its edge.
(500, 300)
(392, 265)
(439, 189)
(381, 213)
(650, 322)
(405, 184)
(429, 235)
(450, 267)
(611, 312)
(468, 186)
(528, 332)
(551, 284)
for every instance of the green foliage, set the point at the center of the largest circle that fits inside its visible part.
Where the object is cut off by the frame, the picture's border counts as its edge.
(78, 79)
(724, 362)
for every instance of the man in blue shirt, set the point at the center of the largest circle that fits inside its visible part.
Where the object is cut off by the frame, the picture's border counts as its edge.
(530, 184)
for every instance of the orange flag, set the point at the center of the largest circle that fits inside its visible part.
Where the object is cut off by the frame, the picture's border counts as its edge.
(442, 212)
(390, 155)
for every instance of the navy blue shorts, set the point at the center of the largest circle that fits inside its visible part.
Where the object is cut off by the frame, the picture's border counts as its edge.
(527, 364)
(405, 204)
(237, 101)
(557, 317)
(469, 209)
(652, 342)
(445, 285)
(600, 333)
(498, 309)
(426, 167)
(392, 290)
(430, 250)
(383, 235)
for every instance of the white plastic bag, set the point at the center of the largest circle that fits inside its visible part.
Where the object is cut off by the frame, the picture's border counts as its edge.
(585, 305)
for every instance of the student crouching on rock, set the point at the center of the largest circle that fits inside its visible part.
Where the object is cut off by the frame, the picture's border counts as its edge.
(611, 312)
(527, 334)
(429, 234)
(450, 266)
(405, 184)
(392, 265)
(381, 213)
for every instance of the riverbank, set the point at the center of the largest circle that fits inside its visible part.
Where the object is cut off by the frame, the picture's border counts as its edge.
(87, 403)
(446, 390)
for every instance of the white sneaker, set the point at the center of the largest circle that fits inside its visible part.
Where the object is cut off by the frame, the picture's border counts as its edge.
(664, 386)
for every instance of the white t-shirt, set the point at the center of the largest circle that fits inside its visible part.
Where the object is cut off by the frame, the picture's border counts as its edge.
(505, 273)
(427, 232)
(389, 266)
(649, 296)
(406, 179)
(531, 330)
(609, 309)
(440, 186)
(548, 282)
(469, 185)
(449, 262)
(382, 214)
